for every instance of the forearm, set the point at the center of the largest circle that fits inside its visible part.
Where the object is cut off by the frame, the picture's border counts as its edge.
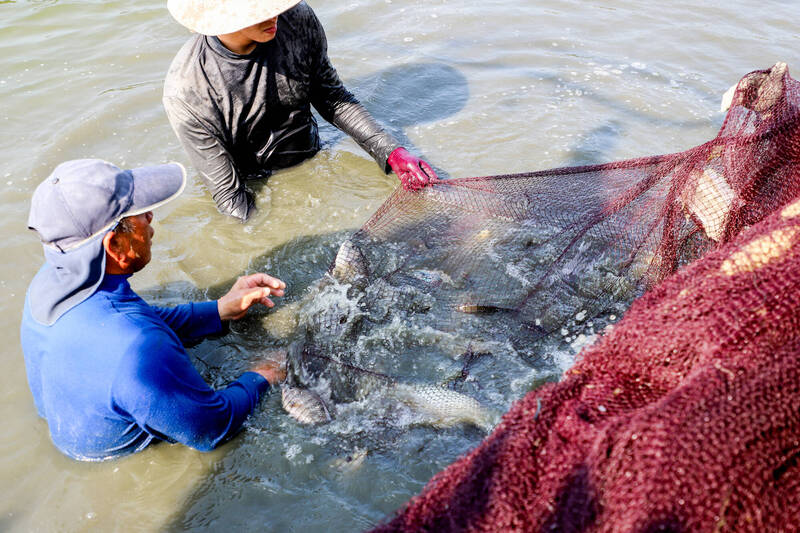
(338, 106)
(204, 423)
(353, 119)
(192, 321)
(168, 398)
(241, 397)
(209, 157)
(230, 197)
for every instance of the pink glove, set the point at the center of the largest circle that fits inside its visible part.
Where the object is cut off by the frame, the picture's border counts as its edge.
(413, 173)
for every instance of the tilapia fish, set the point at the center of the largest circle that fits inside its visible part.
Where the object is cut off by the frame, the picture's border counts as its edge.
(437, 406)
(324, 354)
(443, 407)
(305, 406)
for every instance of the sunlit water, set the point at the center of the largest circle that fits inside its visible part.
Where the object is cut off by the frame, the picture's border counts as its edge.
(478, 88)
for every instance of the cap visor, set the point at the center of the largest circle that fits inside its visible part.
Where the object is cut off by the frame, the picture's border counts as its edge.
(154, 186)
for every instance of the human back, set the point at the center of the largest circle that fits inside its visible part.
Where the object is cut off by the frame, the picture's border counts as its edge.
(72, 375)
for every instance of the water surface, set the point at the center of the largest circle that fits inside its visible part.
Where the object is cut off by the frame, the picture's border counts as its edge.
(478, 88)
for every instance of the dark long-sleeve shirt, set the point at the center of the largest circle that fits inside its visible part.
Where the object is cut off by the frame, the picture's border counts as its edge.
(111, 375)
(238, 115)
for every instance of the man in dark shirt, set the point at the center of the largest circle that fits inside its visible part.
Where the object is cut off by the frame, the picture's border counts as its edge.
(239, 97)
(108, 371)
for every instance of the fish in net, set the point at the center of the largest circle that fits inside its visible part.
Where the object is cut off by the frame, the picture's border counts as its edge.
(432, 404)
(685, 415)
(541, 247)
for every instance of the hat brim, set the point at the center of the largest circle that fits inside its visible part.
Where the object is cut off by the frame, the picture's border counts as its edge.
(154, 186)
(221, 17)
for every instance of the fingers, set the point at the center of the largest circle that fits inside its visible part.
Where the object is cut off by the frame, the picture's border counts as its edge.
(411, 181)
(426, 168)
(415, 173)
(273, 369)
(278, 356)
(238, 300)
(240, 305)
(260, 295)
(405, 179)
(259, 279)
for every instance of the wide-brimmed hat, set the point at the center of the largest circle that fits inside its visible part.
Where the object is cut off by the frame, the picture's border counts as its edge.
(217, 17)
(71, 211)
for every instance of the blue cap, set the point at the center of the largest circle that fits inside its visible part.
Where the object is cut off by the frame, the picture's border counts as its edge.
(72, 210)
(86, 197)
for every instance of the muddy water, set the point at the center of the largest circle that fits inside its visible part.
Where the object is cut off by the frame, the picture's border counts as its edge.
(479, 88)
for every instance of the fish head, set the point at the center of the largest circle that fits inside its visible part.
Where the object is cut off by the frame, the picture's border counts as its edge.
(335, 323)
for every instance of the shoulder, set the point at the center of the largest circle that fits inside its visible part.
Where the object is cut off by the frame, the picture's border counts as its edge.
(302, 17)
(142, 325)
(188, 53)
(185, 63)
(301, 11)
(98, 324)
(146, 342)
(125, 317)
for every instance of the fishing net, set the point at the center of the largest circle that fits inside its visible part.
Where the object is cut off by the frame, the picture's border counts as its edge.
(587, 237)
(685, 415)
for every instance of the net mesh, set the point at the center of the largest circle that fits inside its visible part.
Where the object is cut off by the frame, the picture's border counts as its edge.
(593, 234)
(685, 415)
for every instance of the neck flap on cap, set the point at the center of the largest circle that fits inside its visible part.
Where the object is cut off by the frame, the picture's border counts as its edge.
(66, 279)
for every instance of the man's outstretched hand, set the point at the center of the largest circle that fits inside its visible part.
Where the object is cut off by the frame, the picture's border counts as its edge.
(273, 367)
(414, 173)
(249, 290)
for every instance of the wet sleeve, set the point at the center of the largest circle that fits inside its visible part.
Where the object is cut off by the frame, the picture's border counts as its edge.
(338, 106)
(160, 389)
(209, 157)
(192, 321)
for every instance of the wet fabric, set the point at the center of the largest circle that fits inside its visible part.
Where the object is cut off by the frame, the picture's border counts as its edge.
(240, 116)
(66, 279)
(684, 416)
(111, 376)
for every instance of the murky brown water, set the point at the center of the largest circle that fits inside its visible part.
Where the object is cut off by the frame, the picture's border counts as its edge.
(478, 87)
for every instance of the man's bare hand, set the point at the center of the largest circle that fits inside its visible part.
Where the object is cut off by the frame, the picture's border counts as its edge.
(249, 290)
(273, 368)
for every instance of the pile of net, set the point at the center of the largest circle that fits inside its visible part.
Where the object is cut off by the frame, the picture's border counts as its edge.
(684, 415)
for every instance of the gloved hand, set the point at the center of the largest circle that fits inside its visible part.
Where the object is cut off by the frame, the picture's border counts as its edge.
(413, 173)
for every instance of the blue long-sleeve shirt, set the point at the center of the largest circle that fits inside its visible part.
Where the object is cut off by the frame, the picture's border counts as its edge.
(112, 375)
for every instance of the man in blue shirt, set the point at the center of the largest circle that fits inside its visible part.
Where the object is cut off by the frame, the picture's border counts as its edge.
(107, 371)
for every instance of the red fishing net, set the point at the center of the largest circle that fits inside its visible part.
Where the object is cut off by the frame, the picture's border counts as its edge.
(685, 415)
